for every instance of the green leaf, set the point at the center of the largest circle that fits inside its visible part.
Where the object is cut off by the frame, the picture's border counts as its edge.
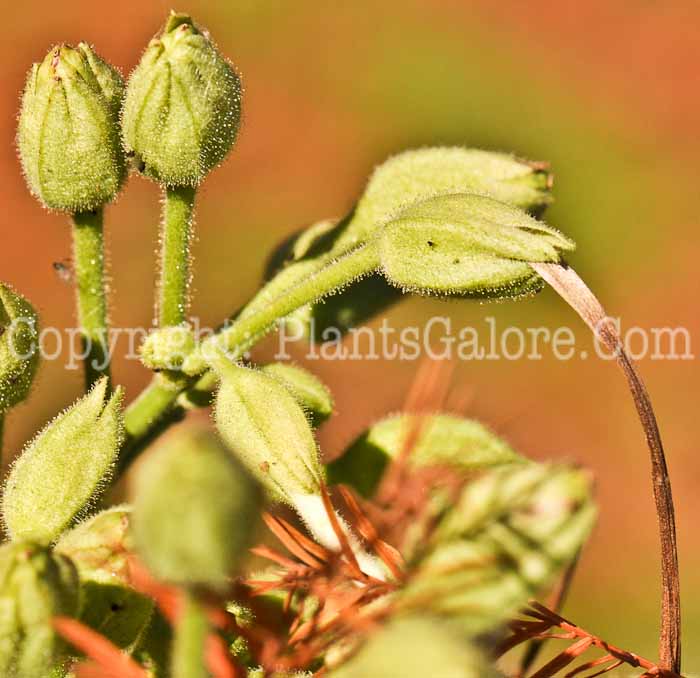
(443, 440)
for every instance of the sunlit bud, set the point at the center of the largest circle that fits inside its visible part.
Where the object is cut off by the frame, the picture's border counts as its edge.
(308, 390)
(183, 105)
(440, 440)
(62, 471)
(196, 510)
(68, 135)
(19, 354)
(508, 536)
(416, 647)
(416, 175)
(266, 428)
(468, 245)
(166, 348)
(35, 586)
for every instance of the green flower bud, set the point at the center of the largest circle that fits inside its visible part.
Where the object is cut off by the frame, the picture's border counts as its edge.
(167, 348)
(183, 106)
(416, 647)
(99, 547)
(309, 391)
(417, 175)
(443, 440)
(195, 510)
(267, 430)
(469, 245)
(509, 534)
(19, 357)
(35, 586)
(68, 135)
(64, 468)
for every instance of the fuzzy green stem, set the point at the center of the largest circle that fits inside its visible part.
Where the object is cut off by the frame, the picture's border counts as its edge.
(2, 451)
(173, 289)
(88, 257)
(188, 659)
(156, 407)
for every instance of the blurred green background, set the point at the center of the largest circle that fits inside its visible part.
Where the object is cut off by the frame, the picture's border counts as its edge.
(607, 92)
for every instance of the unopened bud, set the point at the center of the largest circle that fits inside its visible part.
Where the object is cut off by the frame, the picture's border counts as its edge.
(468, 245)
(183, 105)
(68, 135)
(64, 468)
(267, 430)
(35, 586)
(19, 354)
(196, 510)
(440, 440)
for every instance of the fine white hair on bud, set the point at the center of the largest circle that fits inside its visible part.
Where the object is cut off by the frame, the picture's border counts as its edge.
(68, 133)
(183, 106)
(63, 469)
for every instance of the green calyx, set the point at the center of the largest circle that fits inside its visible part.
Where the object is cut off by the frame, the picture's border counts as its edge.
(267, 430)
(36, 585)
(68, 134)
(195, 512)
(62, 471)
(19, 355)
(183, 106)
(468, 245)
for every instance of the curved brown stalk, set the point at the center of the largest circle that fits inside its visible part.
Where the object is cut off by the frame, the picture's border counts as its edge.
(576, 293)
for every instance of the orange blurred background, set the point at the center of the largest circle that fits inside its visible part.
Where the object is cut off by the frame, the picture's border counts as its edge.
(609, 93)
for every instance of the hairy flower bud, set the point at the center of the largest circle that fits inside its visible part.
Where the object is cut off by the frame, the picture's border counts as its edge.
(166, 348)
(416, 175)
(99, 548)
(506, 538)
(35, 586)
(183, 105)
(68, 135)
(268, 431)
(196, 510)
(309, 391)
(19, 355)
(63, 469)
(441, 440)
(468, 245)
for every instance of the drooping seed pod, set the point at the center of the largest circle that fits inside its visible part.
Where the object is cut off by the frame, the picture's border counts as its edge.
(417, 175)
(19, 355)
(309, 391)
(507, 537)
(99, 548)
(183, 105)
(68, 135)
(64, 468)
(35, 586)
(468, 245)
(196, 510)
(416, 647)
(440, 440)
(266, 428)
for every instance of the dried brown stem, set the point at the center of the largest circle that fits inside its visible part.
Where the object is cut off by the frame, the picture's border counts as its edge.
(575, 292)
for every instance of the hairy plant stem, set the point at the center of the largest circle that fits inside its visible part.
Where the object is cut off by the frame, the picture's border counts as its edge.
(574, 291)
(173, 288)
(88, 257)
(156, 406)
(2, 450)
